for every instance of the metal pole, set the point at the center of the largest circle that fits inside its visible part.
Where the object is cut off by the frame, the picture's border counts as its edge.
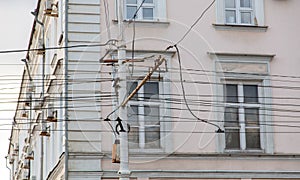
(124, 171)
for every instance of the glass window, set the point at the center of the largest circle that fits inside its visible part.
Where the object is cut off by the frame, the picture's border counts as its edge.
(230, 3)
(152, 137)
(246, 17)
(242, 131)
(149, 1)
(252, 139)
(130, 11)
(144, 119)
(231, 117)
(131, 86)
(133, 135)
(131, 1)
(149, 9)
(232, 138)
(230, 16)
(151, 90)
(251, 117)
(246, 3)
(148, 13)
(231, 93)
(238, 12)
(250, 93)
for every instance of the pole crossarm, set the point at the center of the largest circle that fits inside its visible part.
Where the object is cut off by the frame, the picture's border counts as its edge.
(147, 77)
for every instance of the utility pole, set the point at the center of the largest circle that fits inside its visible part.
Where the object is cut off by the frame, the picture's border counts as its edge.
(124, 171)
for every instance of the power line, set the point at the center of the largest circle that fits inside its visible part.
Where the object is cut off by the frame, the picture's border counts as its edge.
(109, 42)
(195, 23)
(184, 96)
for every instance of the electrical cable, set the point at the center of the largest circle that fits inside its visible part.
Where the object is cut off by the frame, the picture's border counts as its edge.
(184, 96)
(195, 23)
(109, 42)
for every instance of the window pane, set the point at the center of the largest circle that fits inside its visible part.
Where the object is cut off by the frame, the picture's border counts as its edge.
(246, 18)
(149, 1)
(231, 93)
(148, 13)
(131, 1)
(231, 117)
(246, 3)
(252, 117)
(250, 93)
(152, 137)
(232, 138)
(130, 11)
(130, 87)
(133, 112)
(230, 3)
(151, 90)
(252, 139)
(230, 17)
(151, 115)
(133, 137)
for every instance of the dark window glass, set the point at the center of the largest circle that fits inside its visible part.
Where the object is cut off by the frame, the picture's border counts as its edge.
(252, 138)
(231, 117)
(250, 93)
(231, 93)
(151, 90)
(130, 88)
(152, 137)
(133, 135)
(232, 139)
(252, 117)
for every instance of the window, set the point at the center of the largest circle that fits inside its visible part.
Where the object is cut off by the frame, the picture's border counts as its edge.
(240, 92)
(240, 12)
(144, 116)
(146, 12)
(151, 10)
(241, 116)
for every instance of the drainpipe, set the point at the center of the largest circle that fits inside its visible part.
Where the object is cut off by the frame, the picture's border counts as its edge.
(8, 167)
(66, 91)
(30, 107)
(35, 13)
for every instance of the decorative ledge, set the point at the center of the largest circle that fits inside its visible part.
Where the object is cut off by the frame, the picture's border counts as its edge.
(233, 27)
(144, 22)
(250, 55)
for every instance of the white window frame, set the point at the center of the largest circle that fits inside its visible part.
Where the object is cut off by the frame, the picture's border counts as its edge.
(166, 144)
(257, 13)
(159, 11)
(140, 12)
(141, 117)
(255, 70)
(241, 106)
(238, 11)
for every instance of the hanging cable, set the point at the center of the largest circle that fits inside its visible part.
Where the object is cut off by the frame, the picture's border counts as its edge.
(109, 42)
(184, 95)
(196, 22)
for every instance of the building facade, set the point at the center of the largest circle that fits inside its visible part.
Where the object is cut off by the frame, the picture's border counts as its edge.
(224, 105)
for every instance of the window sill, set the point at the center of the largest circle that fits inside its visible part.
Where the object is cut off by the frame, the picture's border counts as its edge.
(147, 151)
(237, 27)
(144, 22)
(245, 152)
